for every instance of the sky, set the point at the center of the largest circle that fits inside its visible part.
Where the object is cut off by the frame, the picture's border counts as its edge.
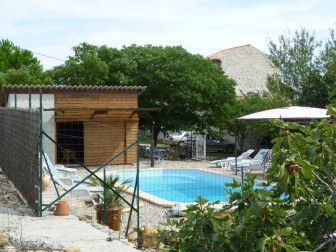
(52, 28)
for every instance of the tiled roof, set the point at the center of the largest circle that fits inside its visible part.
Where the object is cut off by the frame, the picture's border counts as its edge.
(58, 88)
(225, 52)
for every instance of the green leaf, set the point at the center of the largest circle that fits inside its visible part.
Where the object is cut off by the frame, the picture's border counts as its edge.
(330, 209)
(307, 173)
(260, 245)
(284, 231)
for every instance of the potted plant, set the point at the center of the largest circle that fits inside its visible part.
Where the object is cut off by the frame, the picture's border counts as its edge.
(113, 201)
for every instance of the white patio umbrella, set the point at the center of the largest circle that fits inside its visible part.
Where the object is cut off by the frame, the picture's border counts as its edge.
(293, 113)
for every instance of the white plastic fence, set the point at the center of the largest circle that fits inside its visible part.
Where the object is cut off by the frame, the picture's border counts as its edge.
(200, 147)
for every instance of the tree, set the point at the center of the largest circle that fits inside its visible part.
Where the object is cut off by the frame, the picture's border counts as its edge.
(280, 91)
(19, 66)
(329, 59)
(305, 67)
(13, 57)
(85, 68)
(247, 105)
(303, 168)
(26, 75)
(295, 57)
(189, 91)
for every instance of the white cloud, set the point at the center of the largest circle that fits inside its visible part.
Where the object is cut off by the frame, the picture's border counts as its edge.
(54, 27)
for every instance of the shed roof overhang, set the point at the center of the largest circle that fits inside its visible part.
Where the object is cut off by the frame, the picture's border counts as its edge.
(52, 89)
(21, 89)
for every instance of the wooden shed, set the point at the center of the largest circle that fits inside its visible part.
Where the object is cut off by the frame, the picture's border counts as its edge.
(93, 123)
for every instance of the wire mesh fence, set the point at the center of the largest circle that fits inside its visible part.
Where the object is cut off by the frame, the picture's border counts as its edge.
(85, 147)
(75, 149)
(80, 150)
(68, 152)
(163, 189)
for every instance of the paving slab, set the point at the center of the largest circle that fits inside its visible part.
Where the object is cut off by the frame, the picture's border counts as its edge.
(59, 232)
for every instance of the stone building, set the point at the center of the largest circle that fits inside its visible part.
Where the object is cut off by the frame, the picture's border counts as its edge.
(247, 65)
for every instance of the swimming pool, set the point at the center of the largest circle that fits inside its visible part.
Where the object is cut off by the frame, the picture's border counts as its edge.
(180, 185)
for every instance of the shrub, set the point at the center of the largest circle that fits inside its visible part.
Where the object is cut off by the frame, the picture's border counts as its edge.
(297, 213)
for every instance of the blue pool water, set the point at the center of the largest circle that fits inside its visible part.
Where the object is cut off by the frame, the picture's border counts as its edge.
(180, 185)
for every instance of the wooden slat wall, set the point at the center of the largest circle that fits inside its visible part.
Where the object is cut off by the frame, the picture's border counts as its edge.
(105, 134)
(103, 141)
(132, 129)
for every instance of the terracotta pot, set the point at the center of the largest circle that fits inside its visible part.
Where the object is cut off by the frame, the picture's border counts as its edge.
(113, 217)
(45, 181)
(62, 208)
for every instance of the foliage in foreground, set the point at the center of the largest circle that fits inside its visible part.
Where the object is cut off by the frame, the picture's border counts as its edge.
(296, 214)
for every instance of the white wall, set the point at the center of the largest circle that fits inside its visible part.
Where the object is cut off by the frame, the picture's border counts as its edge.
(48, 101)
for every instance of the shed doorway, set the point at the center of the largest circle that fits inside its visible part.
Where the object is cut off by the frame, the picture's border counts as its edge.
(70, 135)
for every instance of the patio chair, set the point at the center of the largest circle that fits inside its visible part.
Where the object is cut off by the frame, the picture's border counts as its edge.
(225, 162)
(255, 162)
(157, 154)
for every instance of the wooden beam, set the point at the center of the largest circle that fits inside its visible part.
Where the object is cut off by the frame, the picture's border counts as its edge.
(104, 110)
(96, 112)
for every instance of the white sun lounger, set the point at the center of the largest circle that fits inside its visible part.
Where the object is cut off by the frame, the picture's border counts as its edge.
(81, 190)
(58, 167)
(254, 163)
(68, 182)
(224, 162)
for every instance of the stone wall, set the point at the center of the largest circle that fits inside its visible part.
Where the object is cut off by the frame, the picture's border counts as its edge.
(19, 147)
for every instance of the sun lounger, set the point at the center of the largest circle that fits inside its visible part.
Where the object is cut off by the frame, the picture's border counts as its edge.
(49, 168)
(81, 190)
(255, 163)
(61, 168)
(224, 162)
(69, 183)
(260, 166)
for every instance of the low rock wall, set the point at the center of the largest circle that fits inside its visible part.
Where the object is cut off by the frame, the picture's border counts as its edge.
(174, 153)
